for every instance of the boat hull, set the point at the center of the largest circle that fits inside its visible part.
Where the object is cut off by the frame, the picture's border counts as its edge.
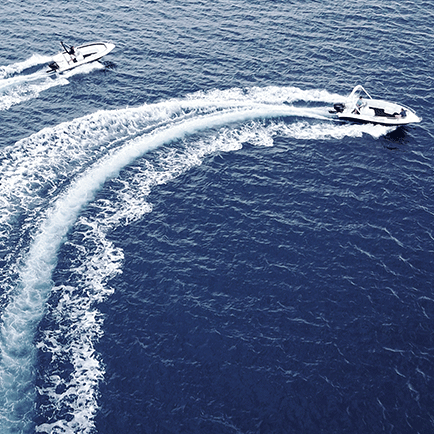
(373, 111)
(83, 54)
(377, 120)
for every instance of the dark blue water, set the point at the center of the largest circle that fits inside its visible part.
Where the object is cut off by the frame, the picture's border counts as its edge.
(191, 243)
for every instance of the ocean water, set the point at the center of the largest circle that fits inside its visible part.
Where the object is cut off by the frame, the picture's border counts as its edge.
(191, 243)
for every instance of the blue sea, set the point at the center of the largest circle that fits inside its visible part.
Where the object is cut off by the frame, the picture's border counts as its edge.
(191, 243)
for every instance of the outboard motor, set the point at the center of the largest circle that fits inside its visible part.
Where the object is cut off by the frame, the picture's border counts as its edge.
(339, 107)
(54, 66)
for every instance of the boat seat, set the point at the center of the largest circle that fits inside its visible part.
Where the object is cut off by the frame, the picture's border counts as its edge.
(381, 112)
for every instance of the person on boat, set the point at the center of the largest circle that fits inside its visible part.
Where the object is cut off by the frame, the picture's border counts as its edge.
(359, 104)
(403, 113)
(72, 53)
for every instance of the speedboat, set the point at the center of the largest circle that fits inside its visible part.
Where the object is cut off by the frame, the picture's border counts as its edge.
(72, 57)
(362, 108)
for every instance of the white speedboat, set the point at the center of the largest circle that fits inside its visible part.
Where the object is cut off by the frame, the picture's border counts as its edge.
(362, 108)
(72, 57)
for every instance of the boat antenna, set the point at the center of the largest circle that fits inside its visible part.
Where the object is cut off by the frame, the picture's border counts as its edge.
(63, 45)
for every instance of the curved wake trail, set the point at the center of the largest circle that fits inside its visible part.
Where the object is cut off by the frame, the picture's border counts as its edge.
(131, 134)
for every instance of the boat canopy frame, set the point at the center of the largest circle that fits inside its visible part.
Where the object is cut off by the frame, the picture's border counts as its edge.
(358, 91)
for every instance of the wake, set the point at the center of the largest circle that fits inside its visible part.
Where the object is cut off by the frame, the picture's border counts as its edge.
(48, 179)
(16, 68)
(19, 84)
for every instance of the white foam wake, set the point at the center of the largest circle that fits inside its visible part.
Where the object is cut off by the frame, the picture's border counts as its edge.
(16, 68)
(21, 88)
